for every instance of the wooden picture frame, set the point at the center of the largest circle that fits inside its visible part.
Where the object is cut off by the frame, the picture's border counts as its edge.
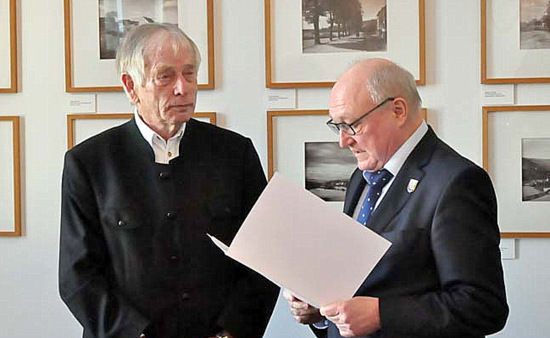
(72, 138)
(271, 132)
(502, 58)
(504, 130)
(312, 71)
(8, 46)
(84, 72)
(16, 176)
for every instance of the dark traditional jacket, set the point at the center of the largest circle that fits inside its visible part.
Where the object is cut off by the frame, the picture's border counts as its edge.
(134, 254)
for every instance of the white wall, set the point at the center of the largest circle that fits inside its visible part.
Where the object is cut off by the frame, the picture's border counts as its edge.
(29, 302)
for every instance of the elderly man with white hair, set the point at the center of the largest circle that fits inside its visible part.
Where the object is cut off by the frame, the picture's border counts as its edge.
(139, 199)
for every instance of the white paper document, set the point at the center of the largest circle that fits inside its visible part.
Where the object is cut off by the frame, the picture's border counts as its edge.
(297, 241)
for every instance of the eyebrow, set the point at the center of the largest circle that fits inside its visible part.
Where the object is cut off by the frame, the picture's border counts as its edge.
(162, 69)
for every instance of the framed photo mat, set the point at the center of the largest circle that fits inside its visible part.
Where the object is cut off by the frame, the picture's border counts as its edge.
(71, 84)
(489, 156)
(8, 52)
(272, 55)
(271, 131)
(73, 118)
(16, 175)
(498, 46)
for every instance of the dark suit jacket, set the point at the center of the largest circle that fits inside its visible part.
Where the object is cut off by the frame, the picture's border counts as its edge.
(442, 277)
(134, 255)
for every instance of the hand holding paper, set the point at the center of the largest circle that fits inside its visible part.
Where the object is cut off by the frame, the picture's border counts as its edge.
(302, 312)
(354, 317)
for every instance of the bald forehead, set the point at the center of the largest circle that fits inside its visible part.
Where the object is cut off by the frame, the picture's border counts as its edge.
(351, 92)
(349, 97)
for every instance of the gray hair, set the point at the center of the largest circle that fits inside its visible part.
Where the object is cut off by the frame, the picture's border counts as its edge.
(391, 80)
(130, 56)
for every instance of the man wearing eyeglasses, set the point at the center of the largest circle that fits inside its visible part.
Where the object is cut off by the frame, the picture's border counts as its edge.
(442, 276)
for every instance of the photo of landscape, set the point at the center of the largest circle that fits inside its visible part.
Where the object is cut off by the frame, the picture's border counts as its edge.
(332, 26)
(535, 24)
(535, 169)
(328, 169)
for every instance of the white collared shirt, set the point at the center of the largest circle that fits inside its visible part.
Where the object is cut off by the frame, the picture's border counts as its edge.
(164, 150)
(395, 163)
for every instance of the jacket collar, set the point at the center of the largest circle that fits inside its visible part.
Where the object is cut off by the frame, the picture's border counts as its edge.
(397, 195)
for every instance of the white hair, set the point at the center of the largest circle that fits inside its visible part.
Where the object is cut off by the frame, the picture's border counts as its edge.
(130, 57)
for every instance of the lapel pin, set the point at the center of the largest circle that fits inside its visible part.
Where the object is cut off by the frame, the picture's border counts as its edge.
(411, 187)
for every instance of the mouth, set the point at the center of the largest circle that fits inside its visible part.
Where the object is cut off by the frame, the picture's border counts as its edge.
(182, 106)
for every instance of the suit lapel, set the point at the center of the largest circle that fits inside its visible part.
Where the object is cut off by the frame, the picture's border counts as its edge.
(355, 188)
(397, 196)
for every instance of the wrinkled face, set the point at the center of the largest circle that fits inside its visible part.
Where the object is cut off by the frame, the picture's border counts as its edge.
(168, 96)
(373, 145)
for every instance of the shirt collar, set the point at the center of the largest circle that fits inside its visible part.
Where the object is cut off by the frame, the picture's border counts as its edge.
(398, 159)
(148, 133)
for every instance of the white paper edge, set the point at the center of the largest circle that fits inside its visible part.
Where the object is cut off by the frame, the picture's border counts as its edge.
(225, 249)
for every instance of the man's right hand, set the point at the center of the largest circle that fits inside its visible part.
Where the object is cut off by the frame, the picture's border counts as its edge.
(302, 312)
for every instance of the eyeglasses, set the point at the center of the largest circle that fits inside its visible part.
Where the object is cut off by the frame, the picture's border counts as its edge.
(348, 127)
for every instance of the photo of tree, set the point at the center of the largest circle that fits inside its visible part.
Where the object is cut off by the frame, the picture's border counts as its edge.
(331, 26)
(535, 169)
(328, 169)
(534, 24)
(117, 17)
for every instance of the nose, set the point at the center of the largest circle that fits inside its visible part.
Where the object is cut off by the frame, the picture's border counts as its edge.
(345, 140)
(181, 86)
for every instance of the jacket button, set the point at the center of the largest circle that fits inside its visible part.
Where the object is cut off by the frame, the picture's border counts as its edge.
(184, 296)
(121, 223)
(164, 175)
(174, 258)
(170, 215)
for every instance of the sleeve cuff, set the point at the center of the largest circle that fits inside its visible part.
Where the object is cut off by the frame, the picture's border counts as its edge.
(321, 325)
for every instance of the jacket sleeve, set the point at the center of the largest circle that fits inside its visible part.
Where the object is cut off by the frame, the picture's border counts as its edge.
(84, 260)
(471, 300)
(251, 303)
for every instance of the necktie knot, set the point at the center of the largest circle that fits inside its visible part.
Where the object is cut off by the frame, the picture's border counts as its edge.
(380, 177)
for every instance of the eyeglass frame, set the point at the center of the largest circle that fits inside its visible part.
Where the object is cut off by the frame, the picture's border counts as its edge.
(335, 127)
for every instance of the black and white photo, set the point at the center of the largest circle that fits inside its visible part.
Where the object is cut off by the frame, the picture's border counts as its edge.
(535, 169)
(330, 26)
(328, 169)
(117, 17)
(535, 24)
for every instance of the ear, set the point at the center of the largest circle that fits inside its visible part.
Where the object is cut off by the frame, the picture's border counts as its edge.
(129, 88)
(400, 109)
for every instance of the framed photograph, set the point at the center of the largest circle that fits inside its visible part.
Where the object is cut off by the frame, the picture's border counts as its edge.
(83, 126)
(327, 169)
(303, 148)
(310, 43)
(8, 46)
(94, 29)
(10, 176)
(515, 41)
(516, 154)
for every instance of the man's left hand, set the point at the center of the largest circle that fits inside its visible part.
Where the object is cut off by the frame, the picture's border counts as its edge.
(358, 316)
